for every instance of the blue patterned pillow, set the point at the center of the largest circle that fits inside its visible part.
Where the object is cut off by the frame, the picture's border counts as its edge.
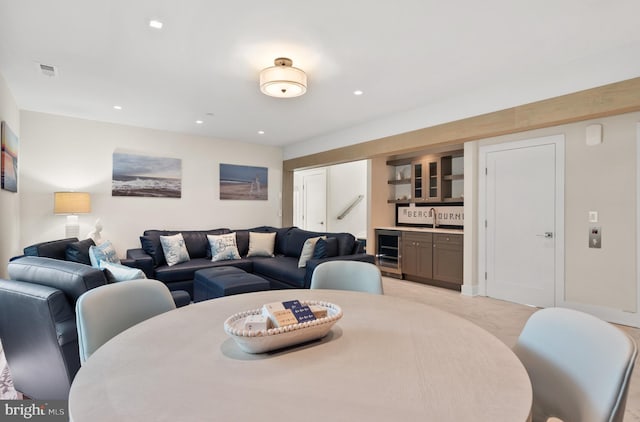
(119, 272)
(174, 248)
(103, 252)
(223, 247)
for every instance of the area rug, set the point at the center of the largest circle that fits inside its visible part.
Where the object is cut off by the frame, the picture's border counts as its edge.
(7, 392)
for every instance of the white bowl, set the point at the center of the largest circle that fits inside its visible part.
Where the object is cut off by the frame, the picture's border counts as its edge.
(277, 338)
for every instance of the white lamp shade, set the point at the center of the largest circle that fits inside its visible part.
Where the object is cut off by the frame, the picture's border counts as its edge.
(283, 81)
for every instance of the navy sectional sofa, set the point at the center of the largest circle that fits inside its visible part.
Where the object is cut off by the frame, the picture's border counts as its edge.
(281, 270)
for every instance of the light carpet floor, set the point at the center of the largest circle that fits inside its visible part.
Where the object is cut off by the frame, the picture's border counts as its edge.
(503, 319)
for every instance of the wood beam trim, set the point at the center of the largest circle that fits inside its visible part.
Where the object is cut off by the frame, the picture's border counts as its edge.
(616, 98)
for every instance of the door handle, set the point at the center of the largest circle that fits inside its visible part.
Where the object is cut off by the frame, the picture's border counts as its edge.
(546, 235)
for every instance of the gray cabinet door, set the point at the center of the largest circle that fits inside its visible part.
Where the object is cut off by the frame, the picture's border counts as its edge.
(447, 258)
(417, 258)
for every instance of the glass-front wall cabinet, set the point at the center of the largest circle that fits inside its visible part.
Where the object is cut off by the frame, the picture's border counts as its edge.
(428, 178)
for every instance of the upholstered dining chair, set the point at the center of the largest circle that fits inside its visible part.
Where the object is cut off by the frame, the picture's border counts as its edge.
(106, 311)
(579, 366)
(347, 275)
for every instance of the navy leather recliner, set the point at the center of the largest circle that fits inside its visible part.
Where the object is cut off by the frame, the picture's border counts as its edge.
(38, 323)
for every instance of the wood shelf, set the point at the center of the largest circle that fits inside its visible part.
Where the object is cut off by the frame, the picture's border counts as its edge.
(400, 182)
(453, 177)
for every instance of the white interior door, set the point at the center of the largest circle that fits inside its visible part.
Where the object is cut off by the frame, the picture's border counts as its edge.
(314, 194)
(522, 233)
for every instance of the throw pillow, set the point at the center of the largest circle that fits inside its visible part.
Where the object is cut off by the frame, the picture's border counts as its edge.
(307, 251)
(261, 244)
(79, 251)
(103, 252)
(326, 248)
(119, 272)
(174, 248)
(223, 247)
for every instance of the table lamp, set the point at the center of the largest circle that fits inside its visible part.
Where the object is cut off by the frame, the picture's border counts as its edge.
(71, 203)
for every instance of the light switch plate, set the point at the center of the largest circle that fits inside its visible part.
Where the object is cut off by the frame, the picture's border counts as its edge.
(593, 216)
(595, 237)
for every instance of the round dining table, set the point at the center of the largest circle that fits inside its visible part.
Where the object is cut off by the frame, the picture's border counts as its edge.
(386, 359)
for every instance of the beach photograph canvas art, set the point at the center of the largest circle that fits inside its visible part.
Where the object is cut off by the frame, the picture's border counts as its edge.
(243, 182)
(9, 166)
(143, 175)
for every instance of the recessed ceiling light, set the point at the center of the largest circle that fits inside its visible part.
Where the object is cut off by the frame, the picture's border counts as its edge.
(155, 24)
(117, 107)
(199, 122)
(357, 92)
(261, 132)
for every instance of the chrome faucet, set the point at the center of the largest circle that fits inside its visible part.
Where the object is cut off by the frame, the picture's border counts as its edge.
(433, 213)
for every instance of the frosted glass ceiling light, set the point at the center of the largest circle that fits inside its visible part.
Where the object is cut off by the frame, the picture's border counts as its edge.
(283, 80)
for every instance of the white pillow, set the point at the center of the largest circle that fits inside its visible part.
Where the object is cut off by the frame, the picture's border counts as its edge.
(103, 252)
(119, 272)
(223, 247)
(261, 244)
(307, 250)
(174, 248)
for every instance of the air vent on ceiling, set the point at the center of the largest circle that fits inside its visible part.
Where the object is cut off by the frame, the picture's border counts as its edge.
(48, 70)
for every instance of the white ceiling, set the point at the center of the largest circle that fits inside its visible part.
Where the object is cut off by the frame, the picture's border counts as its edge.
(405, 55)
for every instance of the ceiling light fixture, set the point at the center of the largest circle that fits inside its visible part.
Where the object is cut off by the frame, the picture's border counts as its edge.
(357, 92)
(283, 80)
(155, 24)
(117, 107)
(261, 132)
(199, 122)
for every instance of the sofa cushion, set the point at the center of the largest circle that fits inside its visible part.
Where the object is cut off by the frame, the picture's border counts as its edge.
(186, 270)
(346, 242)
(326, 248)
(79, 251)
(196, 243)
(282, 268)
(242, 241)
(150, 242)
(53, 249)
(261, 244)
(295, 238)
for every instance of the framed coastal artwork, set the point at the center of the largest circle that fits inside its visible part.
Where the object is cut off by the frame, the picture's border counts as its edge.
(244, 182)
(9, 165)
(143, 175)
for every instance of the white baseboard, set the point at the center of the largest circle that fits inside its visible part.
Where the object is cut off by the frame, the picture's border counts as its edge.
(616, 316)
(469, 290)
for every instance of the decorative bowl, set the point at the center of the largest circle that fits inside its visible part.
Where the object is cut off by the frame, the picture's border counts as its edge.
(276, 338)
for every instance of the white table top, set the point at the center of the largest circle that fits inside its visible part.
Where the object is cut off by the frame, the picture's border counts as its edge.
(387, 359)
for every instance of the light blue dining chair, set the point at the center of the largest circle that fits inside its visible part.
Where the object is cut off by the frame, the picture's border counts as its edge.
(347, 275)
(106, 311)
(579, 366)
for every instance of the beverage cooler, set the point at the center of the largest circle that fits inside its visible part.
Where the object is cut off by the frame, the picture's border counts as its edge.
(388, 256)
